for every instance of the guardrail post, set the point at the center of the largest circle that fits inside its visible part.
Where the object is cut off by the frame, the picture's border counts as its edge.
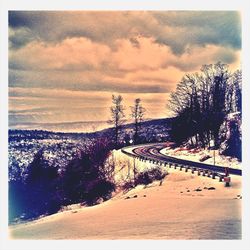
(213, 175)
(186, 169)
(220, 178)
(192, 170)
(227, 180)
(204, 173)
(199, 172)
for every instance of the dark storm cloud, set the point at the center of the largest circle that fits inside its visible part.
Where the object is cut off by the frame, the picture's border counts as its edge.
(175, 29)
(20, 37)
(200, 28)
(20, 19)
(54, 26)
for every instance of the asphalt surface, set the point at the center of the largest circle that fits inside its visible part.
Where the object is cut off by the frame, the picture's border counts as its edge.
(151, 152)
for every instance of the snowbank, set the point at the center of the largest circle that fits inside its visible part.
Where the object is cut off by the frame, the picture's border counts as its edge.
(203, 155)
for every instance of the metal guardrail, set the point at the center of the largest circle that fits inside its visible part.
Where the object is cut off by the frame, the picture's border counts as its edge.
(158, 158)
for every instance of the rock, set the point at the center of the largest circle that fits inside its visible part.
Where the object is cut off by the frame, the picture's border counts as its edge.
(204, 158)
(135, 196)
(198, 190)
(99, 201)
(127, 198)
(211, 188)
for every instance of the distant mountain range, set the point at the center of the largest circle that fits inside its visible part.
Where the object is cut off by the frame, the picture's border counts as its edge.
(80, 126)
(151, 131)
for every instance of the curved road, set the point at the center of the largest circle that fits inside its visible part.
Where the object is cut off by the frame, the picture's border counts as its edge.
(152, 152)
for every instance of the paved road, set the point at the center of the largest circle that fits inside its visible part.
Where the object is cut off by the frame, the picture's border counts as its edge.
(152, 152)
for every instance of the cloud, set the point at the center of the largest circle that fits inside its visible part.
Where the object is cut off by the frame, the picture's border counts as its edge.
(200, 28)
(20, 37)
(74, 52)
(81, 64)
(174, 29)
(78, 59)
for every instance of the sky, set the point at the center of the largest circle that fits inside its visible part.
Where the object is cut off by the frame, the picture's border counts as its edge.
(64, 66)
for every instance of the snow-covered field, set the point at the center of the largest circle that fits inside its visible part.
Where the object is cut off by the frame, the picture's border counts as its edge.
(183, 206)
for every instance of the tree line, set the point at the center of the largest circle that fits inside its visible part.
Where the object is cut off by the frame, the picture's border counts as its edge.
(201, 103)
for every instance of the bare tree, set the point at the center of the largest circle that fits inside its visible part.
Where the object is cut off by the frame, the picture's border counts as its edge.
(237, 82)
(117, 116)
(137, 113)
(202, 101)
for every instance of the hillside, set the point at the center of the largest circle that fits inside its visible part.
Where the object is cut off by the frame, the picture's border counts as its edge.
(173, 209)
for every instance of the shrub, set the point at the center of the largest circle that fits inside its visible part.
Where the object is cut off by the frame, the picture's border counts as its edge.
(127, 185)
(144, 178)
(149, 176)
(98, 189)
(87, 178)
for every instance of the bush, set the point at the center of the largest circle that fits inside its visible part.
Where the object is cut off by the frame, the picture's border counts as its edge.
(98, 189)
(144, 178)
(86, 178)
(149, 176)
(127, 185)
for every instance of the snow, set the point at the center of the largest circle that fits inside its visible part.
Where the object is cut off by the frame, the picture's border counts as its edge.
(233, 115)
(171, 210)
(198, 154)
